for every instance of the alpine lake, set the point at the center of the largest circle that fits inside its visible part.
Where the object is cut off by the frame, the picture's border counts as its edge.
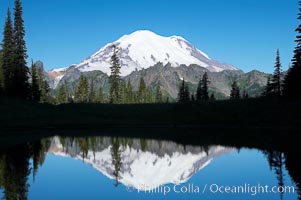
(125, 166)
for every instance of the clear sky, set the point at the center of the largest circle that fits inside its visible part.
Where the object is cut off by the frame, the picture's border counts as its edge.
(244, 33)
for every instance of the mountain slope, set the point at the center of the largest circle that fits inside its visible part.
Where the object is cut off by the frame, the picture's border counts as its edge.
(143, 49)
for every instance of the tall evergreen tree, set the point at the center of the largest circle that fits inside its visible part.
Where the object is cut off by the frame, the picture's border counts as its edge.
(292, 80)
(100, 96)
(183, 95)
(8, 55)
(130, 93)
(268, 90)
(115, 77)
(1, 73)
(276, 79)
(82, 91)
(44, 88)
(142, 92)
(159, 95)
(92, 93)
(235, 91)
(199, 91)
(20, 74)
(35, 88)
(205, 87)
(62, 96)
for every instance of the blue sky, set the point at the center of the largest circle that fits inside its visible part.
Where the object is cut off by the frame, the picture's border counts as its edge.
(244, 33)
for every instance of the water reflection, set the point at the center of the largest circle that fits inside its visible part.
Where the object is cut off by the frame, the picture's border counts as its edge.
(138, 163)
(15, 167)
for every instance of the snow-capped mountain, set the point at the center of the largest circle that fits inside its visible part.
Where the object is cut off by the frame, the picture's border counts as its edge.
(144, 48)
(161, 163)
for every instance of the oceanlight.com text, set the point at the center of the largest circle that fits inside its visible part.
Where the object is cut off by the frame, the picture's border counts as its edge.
(213, 188)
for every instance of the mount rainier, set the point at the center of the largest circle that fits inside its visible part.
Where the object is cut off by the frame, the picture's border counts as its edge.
(143, 49)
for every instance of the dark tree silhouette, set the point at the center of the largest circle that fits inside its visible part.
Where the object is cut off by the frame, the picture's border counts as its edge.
(35, 88)
(292, 80)
(276, 79)
(205, 87)
(183, 95)
(115, 77)
(8, 52)
(20, 85)
(235, 91)
(116, 159)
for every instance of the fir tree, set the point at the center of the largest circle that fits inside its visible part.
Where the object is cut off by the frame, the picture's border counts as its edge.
(8, 55)
(35, 88)
(123, 92)
(1, 73)
(268, 90)
(82, 91)
(159, 96)
(20, 73)
(115, 77)
(130, 93)
(199, 91)
(235, 91)
(205, 87)
(142, 92)
(292, 80)
(100, 96)
(276, 79)
(92, 93)
(183, 95)
(62, 96)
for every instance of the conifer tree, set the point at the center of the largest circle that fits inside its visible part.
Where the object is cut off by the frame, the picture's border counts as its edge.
(62, 96)
(199, 91)
(1, 73)
(183, 95)
(100, 96)
(205, 87)
(130, 93)
(142, 92)
(235, 91)
(276, 79)
(92, 93)
(292, 80)
(35, 88)
(20, 73)
(45, 95)
(82, 91)
(159, 95)
(8, 55)
(268, 90)
(115, 77)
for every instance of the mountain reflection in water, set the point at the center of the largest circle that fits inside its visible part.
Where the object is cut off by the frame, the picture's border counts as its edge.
(137, 163)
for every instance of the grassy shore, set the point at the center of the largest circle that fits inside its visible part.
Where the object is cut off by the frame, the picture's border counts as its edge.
(250, 113)
(246, 123)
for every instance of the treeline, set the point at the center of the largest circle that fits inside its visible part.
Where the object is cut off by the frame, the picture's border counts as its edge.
(16, 79)
(86, 92)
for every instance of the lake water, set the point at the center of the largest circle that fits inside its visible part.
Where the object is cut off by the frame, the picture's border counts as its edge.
(123, 168)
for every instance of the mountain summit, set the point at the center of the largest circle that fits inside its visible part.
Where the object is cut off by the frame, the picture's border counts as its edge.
(143, 49)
